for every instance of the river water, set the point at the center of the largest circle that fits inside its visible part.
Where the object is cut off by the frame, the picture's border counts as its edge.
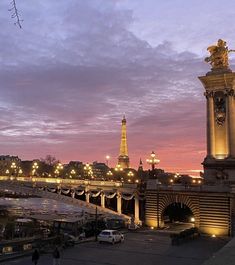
(37, 205)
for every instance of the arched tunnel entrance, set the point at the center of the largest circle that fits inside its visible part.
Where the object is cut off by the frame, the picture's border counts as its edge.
(177, 213)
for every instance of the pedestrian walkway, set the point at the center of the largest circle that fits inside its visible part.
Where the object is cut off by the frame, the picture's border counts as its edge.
(225, 256)
(137, 249)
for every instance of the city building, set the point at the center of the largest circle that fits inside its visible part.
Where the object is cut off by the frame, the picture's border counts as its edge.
(9, 164)
(99, 170)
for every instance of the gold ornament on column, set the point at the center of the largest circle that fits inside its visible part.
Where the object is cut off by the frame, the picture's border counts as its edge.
(218, 58)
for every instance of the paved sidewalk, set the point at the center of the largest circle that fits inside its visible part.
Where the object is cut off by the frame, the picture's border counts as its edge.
(137, 249)
(225, 256)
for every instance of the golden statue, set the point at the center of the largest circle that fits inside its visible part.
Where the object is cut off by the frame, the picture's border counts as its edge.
(219, 56)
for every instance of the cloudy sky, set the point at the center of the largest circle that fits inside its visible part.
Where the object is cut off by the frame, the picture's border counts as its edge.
(68, 76)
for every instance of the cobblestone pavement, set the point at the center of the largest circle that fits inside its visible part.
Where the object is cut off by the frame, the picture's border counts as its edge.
(138, 249)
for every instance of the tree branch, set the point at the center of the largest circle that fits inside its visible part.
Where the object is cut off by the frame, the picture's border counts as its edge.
(15, 14)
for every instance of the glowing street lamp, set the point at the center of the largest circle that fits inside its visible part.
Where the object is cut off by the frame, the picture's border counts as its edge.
(7, 171)
(88, 170)
(72, 173)
(59, 167)
(118, 168)
(87, 167)
(107, 160)
(13, 167)
(176, 175)
(130, 174)
(109, 173)
(34, 168)
(152, 161)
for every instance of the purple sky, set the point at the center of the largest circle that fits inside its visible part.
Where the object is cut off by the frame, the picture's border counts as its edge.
(77, 66)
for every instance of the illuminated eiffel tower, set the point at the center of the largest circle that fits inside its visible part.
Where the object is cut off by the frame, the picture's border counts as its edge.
(123, 159)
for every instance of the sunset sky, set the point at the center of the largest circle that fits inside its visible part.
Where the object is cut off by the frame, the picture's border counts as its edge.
(77, 66)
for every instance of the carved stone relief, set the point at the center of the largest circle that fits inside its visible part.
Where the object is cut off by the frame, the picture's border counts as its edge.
(220, 107)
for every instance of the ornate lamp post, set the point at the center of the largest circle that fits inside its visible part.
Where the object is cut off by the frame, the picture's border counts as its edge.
(34, 168)
(20, 171)
(56, 172)
(13, 167)
(88, 170)
(177, 175)
(109, 174)
(58, 168)
(72, 173)
(130, 174)
(154, 161)
(118, 169)
(107, 160)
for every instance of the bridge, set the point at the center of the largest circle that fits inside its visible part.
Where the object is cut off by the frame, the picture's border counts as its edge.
(65, 190)
(212, 206)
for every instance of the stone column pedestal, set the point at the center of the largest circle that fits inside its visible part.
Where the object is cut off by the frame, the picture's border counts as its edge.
(102, 199)
(87, 196)
(219, 163)
(119, 203)
(137, 209)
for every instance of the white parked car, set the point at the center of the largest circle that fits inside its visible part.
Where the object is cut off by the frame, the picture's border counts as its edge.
(111, 236)
(133, 227)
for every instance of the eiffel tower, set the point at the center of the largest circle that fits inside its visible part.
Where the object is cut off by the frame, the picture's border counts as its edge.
(123, 159)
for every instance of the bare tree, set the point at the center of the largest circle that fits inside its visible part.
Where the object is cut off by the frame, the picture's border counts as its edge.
(15, 14)
(49, 160)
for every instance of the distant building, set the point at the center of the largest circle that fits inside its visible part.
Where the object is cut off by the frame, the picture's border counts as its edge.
(6, 162)
(74, 169)
(9, 158)
(99, 169)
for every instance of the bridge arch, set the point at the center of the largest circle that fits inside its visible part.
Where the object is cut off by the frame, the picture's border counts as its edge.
(158, 200)
(167, 199)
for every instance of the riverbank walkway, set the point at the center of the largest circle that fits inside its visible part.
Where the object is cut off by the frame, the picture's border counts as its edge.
(137, 248)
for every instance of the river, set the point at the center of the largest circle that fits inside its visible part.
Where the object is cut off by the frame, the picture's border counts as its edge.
(37, 205)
